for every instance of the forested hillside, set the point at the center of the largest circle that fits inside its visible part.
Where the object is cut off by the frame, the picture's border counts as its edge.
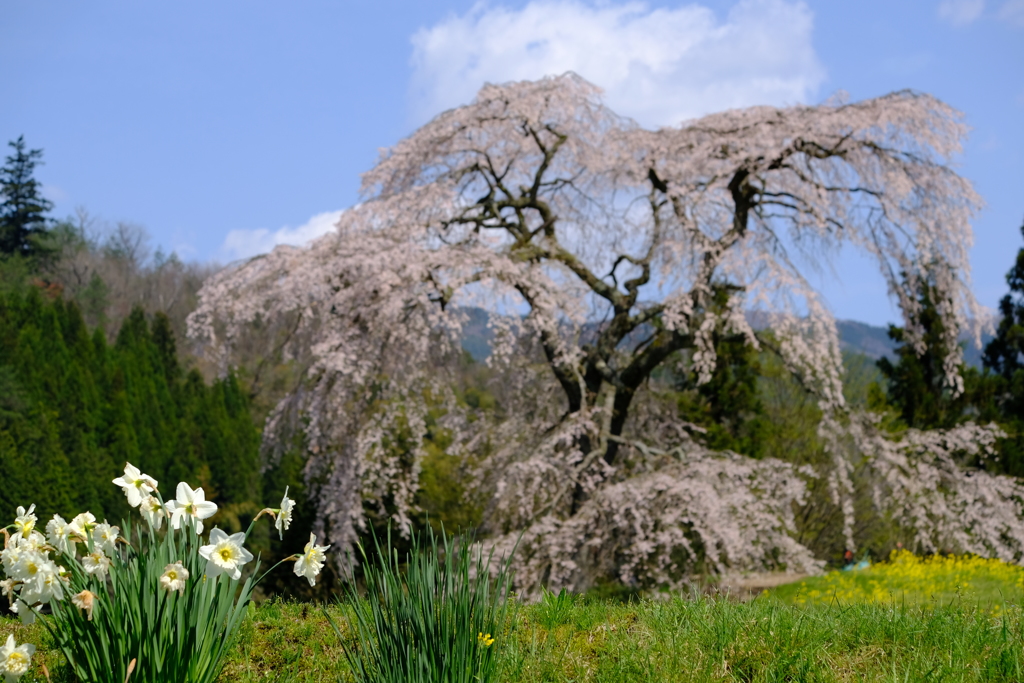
(74, 408)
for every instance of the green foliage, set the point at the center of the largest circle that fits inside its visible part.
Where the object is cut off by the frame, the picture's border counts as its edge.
(860, 375)
(23, 208)
(916, 384)
(555, 608)
(914, 388)
(790, 414)
(728, 407)
(16, 272)
(1004, 357)
(287, 472)
(73, 409)
(916, 393)
(444, 497)
(437, 617)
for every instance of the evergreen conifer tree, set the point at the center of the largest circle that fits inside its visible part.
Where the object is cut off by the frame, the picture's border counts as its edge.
(233, 441)
(1004, 357)
(727, 406)
(167, 350)
(915, 383)
(23, 208)
(1005, 353)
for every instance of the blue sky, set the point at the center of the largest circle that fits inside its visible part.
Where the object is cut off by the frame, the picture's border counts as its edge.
(224, 127)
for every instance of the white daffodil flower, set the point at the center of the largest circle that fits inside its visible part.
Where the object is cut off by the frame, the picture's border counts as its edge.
(189, 503)
(135, 484)
(29, 563)
(311, 561)
(96, 563)
(15, 659)
(25, 522)
(225, 554)
(24, 612)
(84, 601)
(45, 584)
(34, 541)
(174, 577)
(51, 586)
(153, 511)
(58, 533)
(9, 557)
(284, 515)
(105, 537)
(81, 525)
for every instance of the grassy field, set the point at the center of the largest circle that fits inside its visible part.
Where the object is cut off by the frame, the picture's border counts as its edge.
(908, 620)
(678, 640)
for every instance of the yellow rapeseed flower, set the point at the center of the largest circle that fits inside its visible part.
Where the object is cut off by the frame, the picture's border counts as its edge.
(915, 579)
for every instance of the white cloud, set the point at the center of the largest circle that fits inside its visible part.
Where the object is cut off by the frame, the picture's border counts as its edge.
(1012, 11)
(960, 12)
(241, 244)
(660, 66)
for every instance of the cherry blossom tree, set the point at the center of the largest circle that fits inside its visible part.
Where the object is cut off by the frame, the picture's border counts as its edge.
(604, 251)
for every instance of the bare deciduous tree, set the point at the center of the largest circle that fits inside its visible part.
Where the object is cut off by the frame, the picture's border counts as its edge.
(109, 270)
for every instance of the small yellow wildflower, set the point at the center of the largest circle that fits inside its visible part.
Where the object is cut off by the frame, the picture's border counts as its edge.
(485, 639)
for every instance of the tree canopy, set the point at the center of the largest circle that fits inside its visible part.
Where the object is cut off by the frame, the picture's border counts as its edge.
(606, 253)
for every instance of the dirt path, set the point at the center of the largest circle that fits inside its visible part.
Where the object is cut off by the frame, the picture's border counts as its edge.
(748, 586)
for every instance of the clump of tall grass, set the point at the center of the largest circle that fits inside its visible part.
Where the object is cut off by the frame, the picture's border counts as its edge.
(435, 616)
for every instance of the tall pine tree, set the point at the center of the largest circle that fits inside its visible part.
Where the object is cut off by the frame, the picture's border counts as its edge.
(23, 208)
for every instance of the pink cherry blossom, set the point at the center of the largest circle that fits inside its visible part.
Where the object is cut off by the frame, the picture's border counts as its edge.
(598, 248)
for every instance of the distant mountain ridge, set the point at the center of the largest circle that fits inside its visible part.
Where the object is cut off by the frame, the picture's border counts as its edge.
(874, 341)
(855, 337)
(871, 340)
